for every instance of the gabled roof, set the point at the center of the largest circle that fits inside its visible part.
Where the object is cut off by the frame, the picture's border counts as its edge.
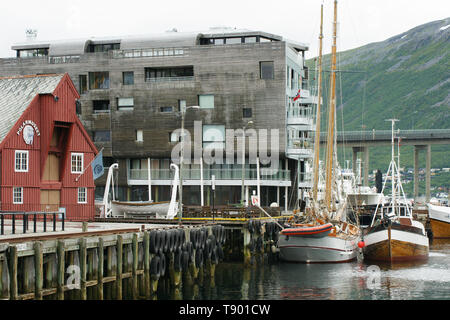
(16, 94)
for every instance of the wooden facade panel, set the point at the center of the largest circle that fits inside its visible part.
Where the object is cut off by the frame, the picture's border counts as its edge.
(11, 177)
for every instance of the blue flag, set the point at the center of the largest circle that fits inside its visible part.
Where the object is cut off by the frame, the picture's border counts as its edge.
(97, 166)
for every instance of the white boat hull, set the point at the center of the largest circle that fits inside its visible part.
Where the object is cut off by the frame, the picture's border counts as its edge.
(439, 221)
(127, 208)
(317, 250)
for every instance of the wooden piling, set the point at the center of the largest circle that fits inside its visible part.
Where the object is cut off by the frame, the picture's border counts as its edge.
(100, 269)
(119, 267)
(147, 264)
(60, 270)
(134, 247)
(39, 270)
(83, 267)
(109, 272)
(13, 258)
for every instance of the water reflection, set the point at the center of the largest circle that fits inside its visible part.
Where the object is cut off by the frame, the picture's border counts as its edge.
(350, 281)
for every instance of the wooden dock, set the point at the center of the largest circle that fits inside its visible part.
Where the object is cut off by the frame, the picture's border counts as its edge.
(126, 259)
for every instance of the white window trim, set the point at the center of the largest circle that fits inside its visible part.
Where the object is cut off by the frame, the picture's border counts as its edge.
(21, 195)
(139, 135)
(82, 162)
(85, 195)
(15, 160)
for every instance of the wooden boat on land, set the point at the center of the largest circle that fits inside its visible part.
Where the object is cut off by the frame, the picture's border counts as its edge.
(327, 236)
(439, 217)
(394, 236)
(125, 209)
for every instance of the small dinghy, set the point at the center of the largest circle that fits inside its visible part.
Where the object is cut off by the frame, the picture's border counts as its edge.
(308, 231)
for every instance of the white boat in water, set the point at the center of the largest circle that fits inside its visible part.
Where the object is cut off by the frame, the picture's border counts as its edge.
(337, 244)
(125, 209)
(394, 236)
(439, 216)
(326, 236)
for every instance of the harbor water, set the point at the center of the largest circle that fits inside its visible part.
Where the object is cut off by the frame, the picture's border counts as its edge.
(356, 280)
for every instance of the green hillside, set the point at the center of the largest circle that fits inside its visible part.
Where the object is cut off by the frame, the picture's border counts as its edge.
(406, 77)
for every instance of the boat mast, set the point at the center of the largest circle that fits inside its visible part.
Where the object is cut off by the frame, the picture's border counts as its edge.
(319, 93)
(331, 116)
(393, 163)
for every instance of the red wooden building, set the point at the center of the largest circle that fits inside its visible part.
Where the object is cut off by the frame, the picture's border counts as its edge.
(44, 148)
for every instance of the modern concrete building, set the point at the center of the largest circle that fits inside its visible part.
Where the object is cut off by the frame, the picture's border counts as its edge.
(133, 88)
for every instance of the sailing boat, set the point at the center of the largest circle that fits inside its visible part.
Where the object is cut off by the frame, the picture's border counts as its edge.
(326, 236)
(394, 235)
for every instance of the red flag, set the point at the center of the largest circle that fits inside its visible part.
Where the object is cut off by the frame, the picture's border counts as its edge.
(297, 96)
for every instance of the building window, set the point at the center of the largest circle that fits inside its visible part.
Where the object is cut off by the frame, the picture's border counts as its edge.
(82, 195)
(100, 106)
(166, 109)
(17, 195)
(83, 83)
(139, 136)
(174, 137)
(98, 80)
(233, 40)
(206, 101)
(21, 161)
(128, 77)
(103, 47)
(170, 73)
(214, 136)
(181, 105)
(247, 112)
(77, 163)
(102, 136)
(266, 69)
(250, 39)
(125, 103)
(29, 53)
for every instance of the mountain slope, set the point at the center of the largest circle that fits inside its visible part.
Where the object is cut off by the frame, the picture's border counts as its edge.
(406, 77)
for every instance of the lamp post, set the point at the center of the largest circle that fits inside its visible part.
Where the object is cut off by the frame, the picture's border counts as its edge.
(180, 201)
(249, 123)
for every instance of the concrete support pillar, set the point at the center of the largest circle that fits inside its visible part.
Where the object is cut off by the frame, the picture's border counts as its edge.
(416, 172)
(354, 158)
(428, 174)
(366, 165)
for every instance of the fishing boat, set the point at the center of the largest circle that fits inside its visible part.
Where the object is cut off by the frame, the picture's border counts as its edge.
(394, 236)
(439, 216)
(326, 236)
(150, 209)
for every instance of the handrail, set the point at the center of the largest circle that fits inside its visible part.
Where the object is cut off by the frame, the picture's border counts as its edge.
(25, 219)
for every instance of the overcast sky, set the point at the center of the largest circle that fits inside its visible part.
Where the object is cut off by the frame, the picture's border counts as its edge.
(361, 21)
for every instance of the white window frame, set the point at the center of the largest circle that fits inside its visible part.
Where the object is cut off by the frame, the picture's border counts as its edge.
(75, 154)
(17, 191)
(139, 135)
(21, 152)
(81, 191)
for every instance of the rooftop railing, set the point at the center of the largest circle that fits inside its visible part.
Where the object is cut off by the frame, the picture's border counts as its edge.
(220, 174)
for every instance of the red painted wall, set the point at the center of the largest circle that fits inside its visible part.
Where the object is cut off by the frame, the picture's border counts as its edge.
(44, 111)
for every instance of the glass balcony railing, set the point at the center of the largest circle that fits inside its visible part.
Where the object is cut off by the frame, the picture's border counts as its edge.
(220, 174)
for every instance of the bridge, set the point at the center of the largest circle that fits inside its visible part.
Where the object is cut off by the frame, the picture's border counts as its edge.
(360, 141)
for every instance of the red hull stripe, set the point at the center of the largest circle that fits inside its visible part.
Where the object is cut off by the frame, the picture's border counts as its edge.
(314, 247)
(307, 230)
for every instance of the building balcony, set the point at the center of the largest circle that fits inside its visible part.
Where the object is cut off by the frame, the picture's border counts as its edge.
(222, 177)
